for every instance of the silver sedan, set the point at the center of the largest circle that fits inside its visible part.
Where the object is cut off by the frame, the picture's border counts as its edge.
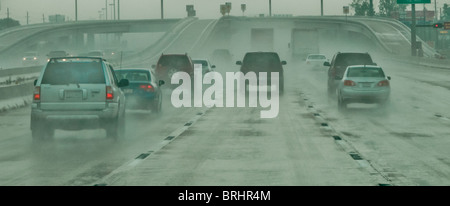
(363, 84)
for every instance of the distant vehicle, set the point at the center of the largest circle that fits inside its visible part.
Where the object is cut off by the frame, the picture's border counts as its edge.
(339, 64)
(169, 64)
(56, 54)
(30, 58)
(221, 57)
(315, 60)
(75, 93)
(263, 62)
(206, 65)
(112, 55)
(144, 89)
(363, 84)
(96, 53)
(304, 42)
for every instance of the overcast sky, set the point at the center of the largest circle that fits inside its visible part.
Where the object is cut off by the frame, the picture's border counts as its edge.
(151, 9)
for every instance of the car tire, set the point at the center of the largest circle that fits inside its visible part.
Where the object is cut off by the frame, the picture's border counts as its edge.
(116, 128)
(281, 87)
(385, 103)
(41, 131)
(342, 104)
(157, 105)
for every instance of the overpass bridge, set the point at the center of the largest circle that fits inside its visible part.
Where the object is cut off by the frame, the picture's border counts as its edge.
(336, 33)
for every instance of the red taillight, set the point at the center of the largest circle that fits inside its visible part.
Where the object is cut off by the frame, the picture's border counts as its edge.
(349, 83)
(384, 83)
(37, 93)
(147, 87)
(109, 92)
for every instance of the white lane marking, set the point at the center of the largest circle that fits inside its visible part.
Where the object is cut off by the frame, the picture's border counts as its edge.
(116, 174)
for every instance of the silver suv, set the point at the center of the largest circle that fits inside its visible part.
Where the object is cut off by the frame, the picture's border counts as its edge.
(74, 93)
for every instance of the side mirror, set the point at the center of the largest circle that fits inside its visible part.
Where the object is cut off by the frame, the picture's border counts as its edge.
(388, 77)
(238, 63)
(153, 66)
(213, 66)
(35, 82)
(283, 62)
(161, 82)
(327, 64)
(375, 64)
(123, 83)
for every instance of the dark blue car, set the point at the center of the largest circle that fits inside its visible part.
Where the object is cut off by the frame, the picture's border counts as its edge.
(143, 91)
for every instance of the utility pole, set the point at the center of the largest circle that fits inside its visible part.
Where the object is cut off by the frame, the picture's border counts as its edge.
(118, 9)
(28, 18)
(106, 9)
(413, 30)
(162, 9)
(114, 5)
(76, 10)
(270, 8)
(111, 5)
(43, 18)
(321, 7)
(435, 12)
(7, 13)
(371, 10)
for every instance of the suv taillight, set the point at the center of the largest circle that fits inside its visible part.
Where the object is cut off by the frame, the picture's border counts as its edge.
(147, 87)
(349, 83)
(109, 92)
(384, 83)
(37, 93)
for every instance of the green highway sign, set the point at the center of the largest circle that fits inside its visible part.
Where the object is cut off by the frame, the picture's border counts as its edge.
(413, 1)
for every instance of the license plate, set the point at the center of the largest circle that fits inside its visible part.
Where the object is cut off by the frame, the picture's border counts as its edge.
(74, 94)
(367, 84)
(128, 91)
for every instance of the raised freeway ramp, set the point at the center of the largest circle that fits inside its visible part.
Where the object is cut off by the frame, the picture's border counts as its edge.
(230, 32)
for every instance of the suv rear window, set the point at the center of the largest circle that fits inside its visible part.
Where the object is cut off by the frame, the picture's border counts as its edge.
(58, 73)
(353, 59)
(262, 62)
(174, 60)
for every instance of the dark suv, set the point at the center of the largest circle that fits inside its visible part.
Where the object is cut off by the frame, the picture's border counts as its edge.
(169, 64)
(263, 62)
(340, 62)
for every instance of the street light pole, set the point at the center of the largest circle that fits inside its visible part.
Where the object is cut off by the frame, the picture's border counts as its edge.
(321, 7)
(106, 9)
(114, 7)
(162, 9)
(435, 12)
(413, 30)
(118, 9)
(76, 10)
(270, 8)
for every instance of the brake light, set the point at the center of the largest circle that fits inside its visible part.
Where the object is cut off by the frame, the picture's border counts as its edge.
(109, 92)
(384, 83)
(37, 93)
(147, 87)
(349, 83)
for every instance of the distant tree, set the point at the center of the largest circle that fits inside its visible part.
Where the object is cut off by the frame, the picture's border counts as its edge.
(387, 7)
(7, 23)
(361, 7)
(446, 12)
